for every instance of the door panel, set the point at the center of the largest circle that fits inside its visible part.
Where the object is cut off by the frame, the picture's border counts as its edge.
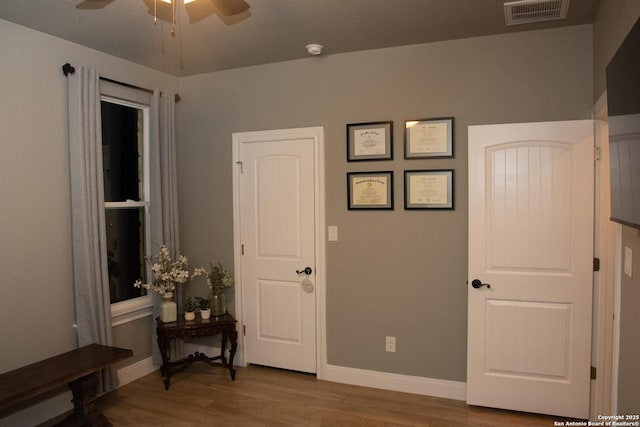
(531, 240)
(277, 193)
(278, 206)
(280, 306)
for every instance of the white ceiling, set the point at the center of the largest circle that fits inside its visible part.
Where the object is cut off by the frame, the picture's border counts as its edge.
(271, 31)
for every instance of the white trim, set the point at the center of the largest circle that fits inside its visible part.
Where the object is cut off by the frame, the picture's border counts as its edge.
(130, 310)
(397, 382)
(136, 370)
(374, 379)
(616, 322)
(317, 134)
(129, 204)
(604, 280)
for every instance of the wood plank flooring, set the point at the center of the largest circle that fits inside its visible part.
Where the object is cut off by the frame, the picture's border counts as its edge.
(206, 396)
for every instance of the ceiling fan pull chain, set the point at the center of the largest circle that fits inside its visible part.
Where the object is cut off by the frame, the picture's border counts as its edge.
(155, 12)
(173, 27)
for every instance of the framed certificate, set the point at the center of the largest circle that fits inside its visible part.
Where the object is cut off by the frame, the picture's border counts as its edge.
(369, 141)
(428, 189)
(428, 138)
(370, 190)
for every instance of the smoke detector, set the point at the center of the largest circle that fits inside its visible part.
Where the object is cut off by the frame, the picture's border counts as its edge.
(314, 49)
(529, 11)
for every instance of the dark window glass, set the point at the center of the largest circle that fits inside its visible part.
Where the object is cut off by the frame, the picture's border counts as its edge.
(121, 152)
(125, 251)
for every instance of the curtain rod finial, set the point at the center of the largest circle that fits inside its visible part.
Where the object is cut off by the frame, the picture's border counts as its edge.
(68, 69)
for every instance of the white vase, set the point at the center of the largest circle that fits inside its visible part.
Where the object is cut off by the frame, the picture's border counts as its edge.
(189, 315)
(205, 314)
(168, 308)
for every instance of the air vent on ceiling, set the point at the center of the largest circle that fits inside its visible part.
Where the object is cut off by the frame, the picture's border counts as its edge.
(528, 11)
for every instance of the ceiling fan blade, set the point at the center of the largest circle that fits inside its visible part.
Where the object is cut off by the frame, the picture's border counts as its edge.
(230, 7)
(199, 10)
(93, 4)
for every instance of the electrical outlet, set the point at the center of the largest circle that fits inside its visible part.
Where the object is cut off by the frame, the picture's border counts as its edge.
(391, 344)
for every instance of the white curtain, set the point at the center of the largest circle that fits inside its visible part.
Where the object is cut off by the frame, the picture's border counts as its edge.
(90, 272)
(169, 170)
(164, 184)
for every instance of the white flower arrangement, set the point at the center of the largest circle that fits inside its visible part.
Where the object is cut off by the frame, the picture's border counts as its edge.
(167, 273)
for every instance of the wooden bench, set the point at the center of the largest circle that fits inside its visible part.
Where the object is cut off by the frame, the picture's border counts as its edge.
(77, 368)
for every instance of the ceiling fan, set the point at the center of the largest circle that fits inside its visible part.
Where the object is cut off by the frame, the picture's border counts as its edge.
(196, 9)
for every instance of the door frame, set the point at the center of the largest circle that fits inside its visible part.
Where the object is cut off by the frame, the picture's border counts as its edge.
(607, 280)
(317, 135)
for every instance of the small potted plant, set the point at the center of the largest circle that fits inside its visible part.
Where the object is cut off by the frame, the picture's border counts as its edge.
(218, 279)
(205, 310)
(189, 309)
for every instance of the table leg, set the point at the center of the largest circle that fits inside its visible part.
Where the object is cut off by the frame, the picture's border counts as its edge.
(84, 391)
(233, 337)
(163, 346)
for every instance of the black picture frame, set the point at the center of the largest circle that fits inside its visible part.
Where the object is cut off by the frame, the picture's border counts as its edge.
(429, 138)
(423, 189)
(370, 190)
(370, 141)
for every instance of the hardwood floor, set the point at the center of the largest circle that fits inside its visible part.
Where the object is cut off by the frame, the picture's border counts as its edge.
(206, 396)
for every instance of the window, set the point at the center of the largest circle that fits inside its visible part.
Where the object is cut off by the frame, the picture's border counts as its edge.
(125, 147)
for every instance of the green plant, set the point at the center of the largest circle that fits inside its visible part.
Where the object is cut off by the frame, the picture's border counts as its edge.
(218, 278)
(189, 305)
(203, 303)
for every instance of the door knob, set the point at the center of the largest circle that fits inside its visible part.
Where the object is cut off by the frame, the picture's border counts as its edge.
(476, 283)
(307, 271)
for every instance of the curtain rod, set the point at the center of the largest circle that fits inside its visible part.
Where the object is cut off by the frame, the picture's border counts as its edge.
(69, 69)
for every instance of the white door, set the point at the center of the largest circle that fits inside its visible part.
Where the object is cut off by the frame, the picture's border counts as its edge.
(531, 249)
(277, 191)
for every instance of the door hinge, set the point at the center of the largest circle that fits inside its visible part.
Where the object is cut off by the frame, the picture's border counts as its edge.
(244, 330)
(242, 249)
(593, 372)
(596, 264)
(596, 153)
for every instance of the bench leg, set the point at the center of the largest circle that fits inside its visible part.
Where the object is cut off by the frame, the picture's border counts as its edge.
(84, 391)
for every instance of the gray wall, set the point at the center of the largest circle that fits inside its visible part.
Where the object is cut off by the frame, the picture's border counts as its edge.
(399, 273)
(36, 307)
(614, 20)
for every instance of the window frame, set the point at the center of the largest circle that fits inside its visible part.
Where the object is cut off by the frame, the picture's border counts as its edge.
(139, 307)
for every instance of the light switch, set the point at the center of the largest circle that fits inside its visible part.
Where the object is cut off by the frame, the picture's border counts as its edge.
(333, 233)
(628, 261)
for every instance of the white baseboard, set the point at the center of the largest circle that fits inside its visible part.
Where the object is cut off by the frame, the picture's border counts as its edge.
(136, 370)
(396, 382)
(383, 380)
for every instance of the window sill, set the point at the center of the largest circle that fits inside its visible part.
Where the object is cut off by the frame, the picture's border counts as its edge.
(128, 311)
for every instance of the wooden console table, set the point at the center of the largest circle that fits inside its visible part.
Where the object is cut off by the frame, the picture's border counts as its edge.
(182, 329)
